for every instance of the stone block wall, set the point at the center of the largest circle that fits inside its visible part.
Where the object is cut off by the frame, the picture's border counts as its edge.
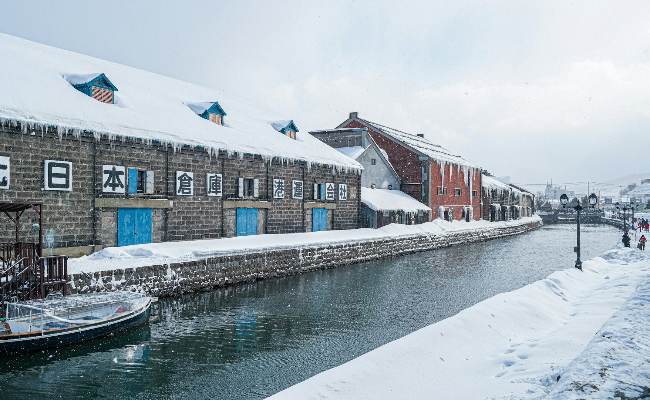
(178, 278)
(67, 216)
(75, 224)
(286, 214)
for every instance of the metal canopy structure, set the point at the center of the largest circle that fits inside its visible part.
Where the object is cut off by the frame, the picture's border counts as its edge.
(7, 208)
(24, 273)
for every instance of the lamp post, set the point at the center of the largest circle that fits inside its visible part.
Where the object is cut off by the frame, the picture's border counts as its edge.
(564, 200)
(626, 237)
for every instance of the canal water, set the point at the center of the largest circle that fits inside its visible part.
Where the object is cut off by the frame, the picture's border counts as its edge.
(251, 341)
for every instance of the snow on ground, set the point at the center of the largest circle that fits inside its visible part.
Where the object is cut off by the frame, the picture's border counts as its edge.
(616, 363)
(169, 252)
(516, 345)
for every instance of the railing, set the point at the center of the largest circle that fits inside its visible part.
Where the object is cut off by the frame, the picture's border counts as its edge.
(54, 275)
(24, 275)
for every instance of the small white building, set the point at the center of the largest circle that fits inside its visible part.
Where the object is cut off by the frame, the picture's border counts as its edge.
(381, 207)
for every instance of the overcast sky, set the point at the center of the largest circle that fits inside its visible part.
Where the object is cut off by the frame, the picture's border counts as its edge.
(534, 90)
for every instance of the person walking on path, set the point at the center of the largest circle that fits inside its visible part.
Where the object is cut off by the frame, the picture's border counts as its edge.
(642, 242)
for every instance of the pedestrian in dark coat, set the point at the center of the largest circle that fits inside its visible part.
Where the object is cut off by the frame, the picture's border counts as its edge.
(642, 242)
(626, 240)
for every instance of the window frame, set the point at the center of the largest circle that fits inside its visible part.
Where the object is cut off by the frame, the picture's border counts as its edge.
(249, 188)
(141, 187)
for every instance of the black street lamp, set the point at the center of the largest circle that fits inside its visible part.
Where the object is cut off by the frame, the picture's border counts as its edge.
(564, 200)
(626, 237)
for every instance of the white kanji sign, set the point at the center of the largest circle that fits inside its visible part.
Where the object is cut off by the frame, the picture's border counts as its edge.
(278, 188)
(113, 179)
(5, 171)
(330, 191)
(215, 186)
(343, 191)
(58, 175)
(297, 189)
(184, 183)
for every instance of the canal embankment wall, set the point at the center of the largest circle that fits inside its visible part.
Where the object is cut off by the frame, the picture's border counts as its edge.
(169, 279)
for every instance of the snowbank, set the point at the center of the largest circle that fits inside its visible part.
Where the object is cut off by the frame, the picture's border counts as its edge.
(513, 345)
(384, 199)
(616, 362)
(169, 252)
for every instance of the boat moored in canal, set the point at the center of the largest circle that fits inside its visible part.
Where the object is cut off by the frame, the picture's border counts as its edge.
(55, 322)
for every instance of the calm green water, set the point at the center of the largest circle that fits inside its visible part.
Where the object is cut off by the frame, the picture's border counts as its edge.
(254, 340)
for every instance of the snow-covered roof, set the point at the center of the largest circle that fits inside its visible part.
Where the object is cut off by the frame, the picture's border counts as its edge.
(493, 183)
(203, 106)
(386, 200)
(283, 125)
(80, 79)
(149, 106)
(421, 144)
(352, 151)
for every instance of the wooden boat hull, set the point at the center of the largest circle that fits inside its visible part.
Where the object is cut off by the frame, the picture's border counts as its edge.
(71, 336)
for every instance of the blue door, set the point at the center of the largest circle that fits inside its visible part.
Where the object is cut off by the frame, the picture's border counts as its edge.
(133, 226)
(318, 219)
(246, 221)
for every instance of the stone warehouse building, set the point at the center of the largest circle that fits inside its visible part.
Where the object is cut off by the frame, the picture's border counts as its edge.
(121, 156)
(447, 183)
(502, 201)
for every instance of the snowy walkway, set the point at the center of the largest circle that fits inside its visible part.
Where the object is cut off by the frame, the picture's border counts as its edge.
(171, 252)
(516, 345)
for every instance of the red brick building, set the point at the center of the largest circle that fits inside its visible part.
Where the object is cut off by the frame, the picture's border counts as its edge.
(448, 183)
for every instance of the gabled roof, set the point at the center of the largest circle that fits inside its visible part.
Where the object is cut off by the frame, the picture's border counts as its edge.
(99, 79)
(384, 156)
(284, 125)
(151, 107)
(418, 144)
(202, 107)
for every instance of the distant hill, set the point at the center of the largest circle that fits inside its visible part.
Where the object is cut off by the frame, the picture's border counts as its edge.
(614, 187)
(609, 188)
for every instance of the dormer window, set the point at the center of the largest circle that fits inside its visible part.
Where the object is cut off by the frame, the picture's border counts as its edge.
(210, 110)
(287, 128)
(216, 118)
(96, 85)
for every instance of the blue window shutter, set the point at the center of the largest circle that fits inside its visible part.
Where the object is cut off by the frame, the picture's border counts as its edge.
(133, 180)
(322, 191)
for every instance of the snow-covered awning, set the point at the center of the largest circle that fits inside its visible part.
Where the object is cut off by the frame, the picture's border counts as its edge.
(390, 200)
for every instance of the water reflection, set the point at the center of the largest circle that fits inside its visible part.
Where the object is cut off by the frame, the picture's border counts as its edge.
(253, 340)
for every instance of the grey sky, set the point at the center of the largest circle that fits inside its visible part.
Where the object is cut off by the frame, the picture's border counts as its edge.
(534, 90)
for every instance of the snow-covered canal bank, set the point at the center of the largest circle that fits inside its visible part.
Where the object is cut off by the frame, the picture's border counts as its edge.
(518, 345)
(254, 340)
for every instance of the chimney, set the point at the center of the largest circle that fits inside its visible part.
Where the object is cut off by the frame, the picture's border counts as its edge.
(420, 134)
(354, 115)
